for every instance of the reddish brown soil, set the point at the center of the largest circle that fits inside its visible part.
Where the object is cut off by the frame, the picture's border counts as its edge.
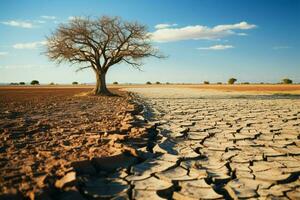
(43, 131)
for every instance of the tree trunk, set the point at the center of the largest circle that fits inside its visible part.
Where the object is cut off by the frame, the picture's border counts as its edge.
(101, 88)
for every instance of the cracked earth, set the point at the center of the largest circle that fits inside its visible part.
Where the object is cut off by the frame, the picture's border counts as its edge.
(220, 147)
(198, 145)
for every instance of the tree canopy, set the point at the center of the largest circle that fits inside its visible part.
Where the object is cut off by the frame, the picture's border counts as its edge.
(100, 44)
(232, 81)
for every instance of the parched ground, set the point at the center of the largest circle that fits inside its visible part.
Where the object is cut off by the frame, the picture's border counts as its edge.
(207, 143)
(217, 145)
(251, 89)
(45, 131)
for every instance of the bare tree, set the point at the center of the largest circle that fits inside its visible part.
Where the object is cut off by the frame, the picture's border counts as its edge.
(100, 44)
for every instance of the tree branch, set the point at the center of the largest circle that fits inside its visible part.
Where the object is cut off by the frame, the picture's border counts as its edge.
(102, 43)
(82, 68)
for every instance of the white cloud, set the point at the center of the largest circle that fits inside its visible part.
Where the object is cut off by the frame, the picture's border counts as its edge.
(30, 45)
(281, 47)
(162, 26)
(40, 21)
(3, 53)
(48, 17)
(71, 18)
(75, 17)
(242, 34)
(15, 23)
(23, 66)
(217, 47)
(198, 32)
(241, 26)
(28, 23)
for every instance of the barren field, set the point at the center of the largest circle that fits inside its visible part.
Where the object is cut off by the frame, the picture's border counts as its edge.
(46, 133)
(199, 141)
(218, 145)
(250, 89)
(266, 89)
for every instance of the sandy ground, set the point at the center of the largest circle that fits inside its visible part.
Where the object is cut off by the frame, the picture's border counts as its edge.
(190, 92)
(239, 89)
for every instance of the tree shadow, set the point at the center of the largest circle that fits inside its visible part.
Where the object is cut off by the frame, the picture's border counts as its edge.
(92, 93)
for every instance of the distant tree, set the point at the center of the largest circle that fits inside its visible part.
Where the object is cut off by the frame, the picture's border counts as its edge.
(74, 83)
(232, 81)
(157, 82)
(115, 83)
(51, 83)
(99, 44)
(167, 83)
(22, 83)
(14, 83)
(148, 83)
(35, 82)
(287, 81)
(219, 83)
(206, 82)
(245, 83)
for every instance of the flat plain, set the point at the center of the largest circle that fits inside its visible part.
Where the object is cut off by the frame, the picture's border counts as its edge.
(212, 142)
(237, 143)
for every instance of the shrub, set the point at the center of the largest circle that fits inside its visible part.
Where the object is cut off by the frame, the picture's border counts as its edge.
(245, 83)
(206, 82)
(148, 83)
(22, 83)
(232, 81)
(157, 82)
(115, 83)
(219, 83)
(167, 83)
(35, 82)
(14, 84)
(51, 83)
(75, 83)
(287, 81)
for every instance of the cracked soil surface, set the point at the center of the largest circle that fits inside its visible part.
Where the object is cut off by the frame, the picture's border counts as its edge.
(195, 145)
(51, 136)
(221, 146)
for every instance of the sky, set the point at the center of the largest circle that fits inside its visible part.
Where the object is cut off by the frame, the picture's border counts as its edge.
(205, 40)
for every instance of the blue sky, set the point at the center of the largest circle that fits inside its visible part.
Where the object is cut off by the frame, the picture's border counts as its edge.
(252, 40)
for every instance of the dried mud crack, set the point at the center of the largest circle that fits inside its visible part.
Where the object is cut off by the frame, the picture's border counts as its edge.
(190, 147)
(57, 145)
(220, 147)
